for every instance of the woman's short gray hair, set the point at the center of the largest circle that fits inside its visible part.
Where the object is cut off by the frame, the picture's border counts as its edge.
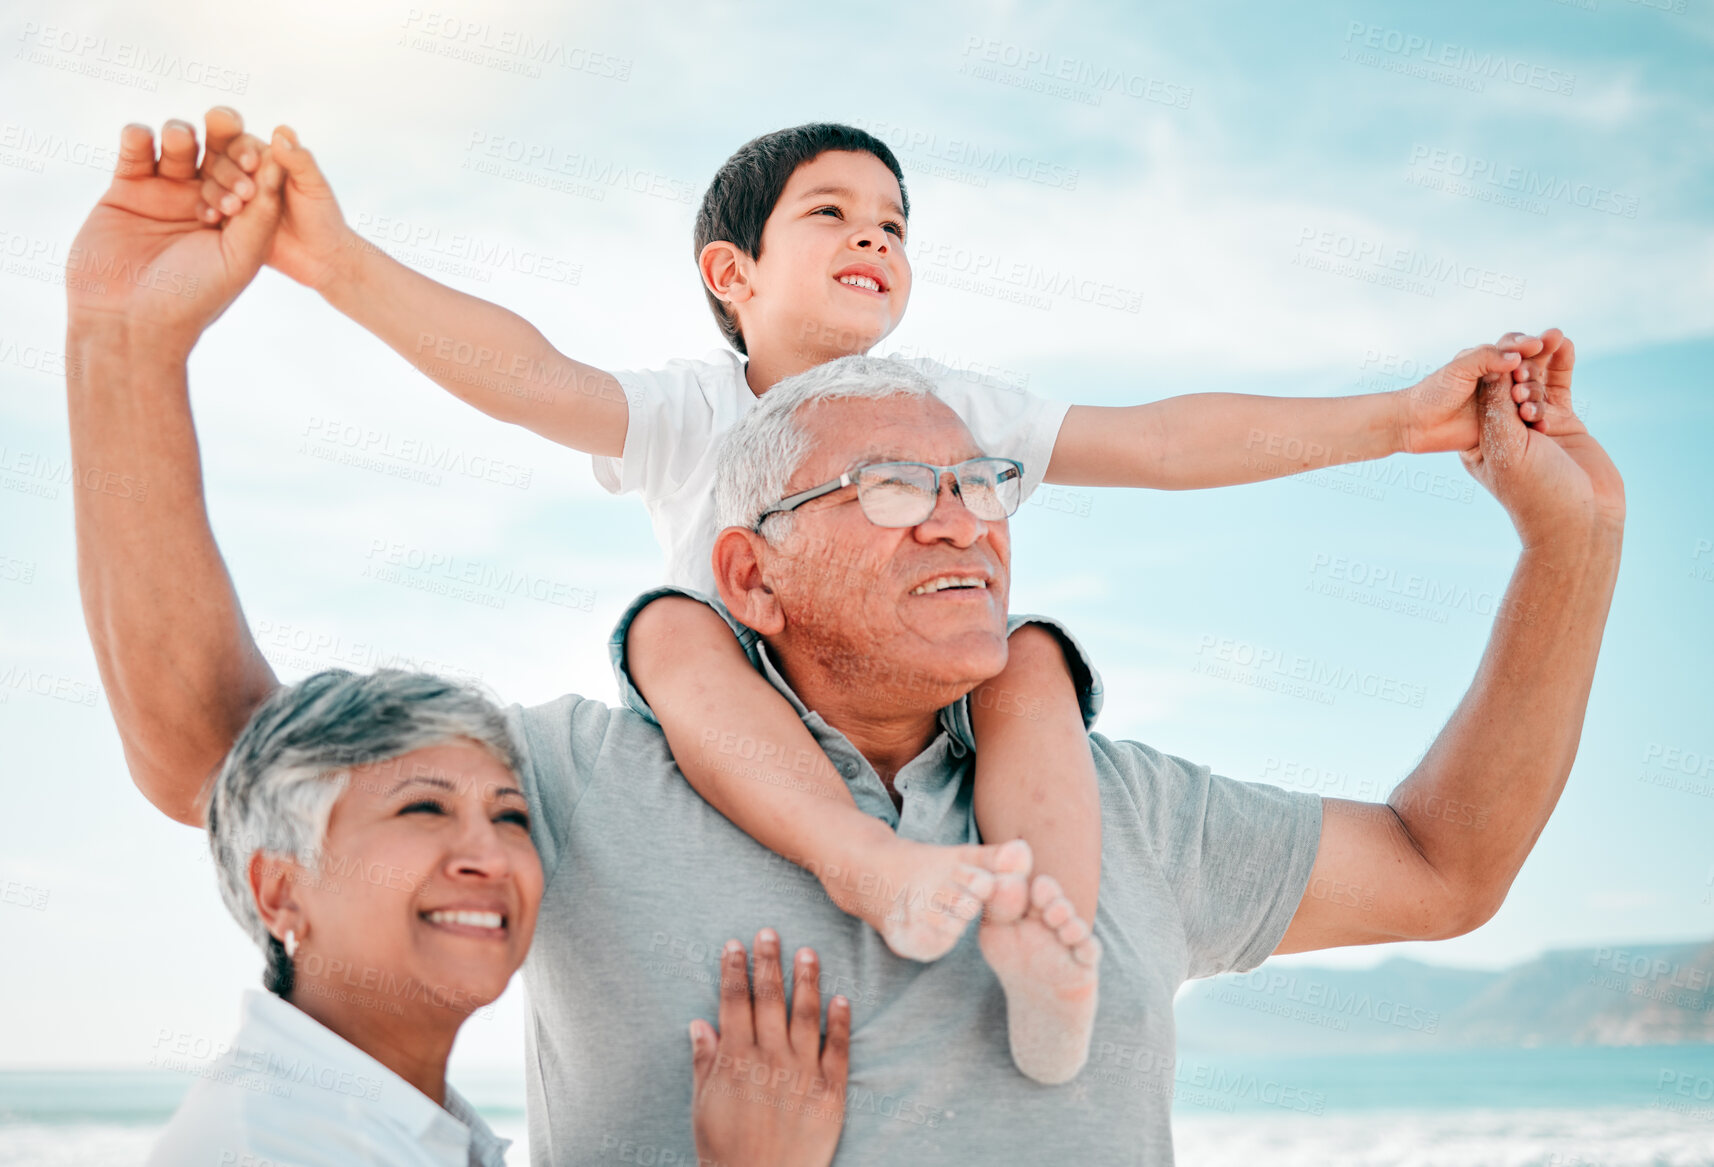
(759, 455)
(277, 786)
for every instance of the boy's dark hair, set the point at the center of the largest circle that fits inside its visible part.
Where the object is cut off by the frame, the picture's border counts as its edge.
(745, 189)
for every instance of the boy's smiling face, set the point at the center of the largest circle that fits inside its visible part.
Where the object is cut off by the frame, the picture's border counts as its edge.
(832, 278)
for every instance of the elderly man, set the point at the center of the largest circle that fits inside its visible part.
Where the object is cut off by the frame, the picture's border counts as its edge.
(1200, 874)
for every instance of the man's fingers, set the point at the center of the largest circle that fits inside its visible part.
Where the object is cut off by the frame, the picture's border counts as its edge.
(1557, 382)
(770, 995)
(736, 1022)
(178, 150)
(222, 124)
(1559, 365)
(703, 1046)
(1520, 342)
(1503, 434)
(136, 152)
(806, 1003)
(836, 1054)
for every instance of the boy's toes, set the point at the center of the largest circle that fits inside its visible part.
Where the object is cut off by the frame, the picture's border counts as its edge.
(1073, 932)
(1044, 890)
(1014, 857)
(1011, 899)
(1087, 952)
(974, 880)
(1058, 912)
(965, 908)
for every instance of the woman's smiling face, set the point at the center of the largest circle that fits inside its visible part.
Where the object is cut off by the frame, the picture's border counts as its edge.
(428, 887)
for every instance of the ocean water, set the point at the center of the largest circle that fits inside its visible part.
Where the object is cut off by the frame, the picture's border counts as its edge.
(1634, 1106)
(1645, 1106)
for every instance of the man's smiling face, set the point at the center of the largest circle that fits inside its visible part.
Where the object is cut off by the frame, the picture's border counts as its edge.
(832, 273)
(918, 613)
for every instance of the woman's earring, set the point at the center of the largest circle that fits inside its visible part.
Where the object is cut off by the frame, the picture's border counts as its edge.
(291, 944)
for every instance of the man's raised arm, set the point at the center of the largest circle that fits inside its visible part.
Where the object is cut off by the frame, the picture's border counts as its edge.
(143, 279)
(1438, 858)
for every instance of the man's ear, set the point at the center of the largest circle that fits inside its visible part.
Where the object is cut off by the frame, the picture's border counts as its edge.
(274, 882)
(738, 576)
(726, 272)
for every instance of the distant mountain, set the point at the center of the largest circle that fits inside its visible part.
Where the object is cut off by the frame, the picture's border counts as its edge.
(1623, 995)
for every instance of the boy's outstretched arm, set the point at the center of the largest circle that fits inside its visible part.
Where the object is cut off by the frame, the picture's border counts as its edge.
(1223, 439)
(479, 352)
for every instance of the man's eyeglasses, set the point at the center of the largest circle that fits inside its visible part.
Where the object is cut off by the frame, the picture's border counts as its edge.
(903, 494)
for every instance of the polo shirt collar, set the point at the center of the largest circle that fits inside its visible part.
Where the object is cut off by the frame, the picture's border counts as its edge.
(954, 719)
(275, 1027)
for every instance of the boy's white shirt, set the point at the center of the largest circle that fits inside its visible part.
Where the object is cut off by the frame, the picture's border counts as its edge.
(677, 413)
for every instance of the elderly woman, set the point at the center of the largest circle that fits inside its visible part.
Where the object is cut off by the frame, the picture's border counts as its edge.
(371, 837)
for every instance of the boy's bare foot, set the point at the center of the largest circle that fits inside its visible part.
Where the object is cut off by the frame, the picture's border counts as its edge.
(1048, 962)
(920, 897)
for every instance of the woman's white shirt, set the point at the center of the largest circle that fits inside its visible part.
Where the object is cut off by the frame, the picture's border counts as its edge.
(290, 1092)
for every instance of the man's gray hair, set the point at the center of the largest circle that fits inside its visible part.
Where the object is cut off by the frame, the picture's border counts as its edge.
(759, 455)
(276, 789)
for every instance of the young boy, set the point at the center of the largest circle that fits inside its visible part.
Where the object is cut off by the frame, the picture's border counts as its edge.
(800, 245)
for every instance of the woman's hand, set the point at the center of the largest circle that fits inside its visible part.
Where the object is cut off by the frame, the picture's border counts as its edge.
(769, 1094)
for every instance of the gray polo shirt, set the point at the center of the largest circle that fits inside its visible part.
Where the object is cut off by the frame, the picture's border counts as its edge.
(646, 881)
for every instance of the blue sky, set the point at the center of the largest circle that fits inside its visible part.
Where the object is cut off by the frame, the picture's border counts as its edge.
(1241, 175)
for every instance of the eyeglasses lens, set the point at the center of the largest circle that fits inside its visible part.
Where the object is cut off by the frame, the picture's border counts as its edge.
(903, 494)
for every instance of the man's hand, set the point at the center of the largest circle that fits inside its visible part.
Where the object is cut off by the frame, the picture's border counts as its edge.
(1438, 858)
(145, 276)
(1438, 413)
(1549, 474)
(766, 1095)
(146, 257)
(313, 245)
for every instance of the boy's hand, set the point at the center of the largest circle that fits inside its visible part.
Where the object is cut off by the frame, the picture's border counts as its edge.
(313, 245)
(1439, 412)
(765, 1094)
